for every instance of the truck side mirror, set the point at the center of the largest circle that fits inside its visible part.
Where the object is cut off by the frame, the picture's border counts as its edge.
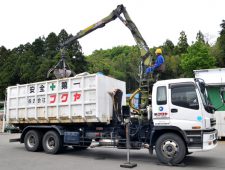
(202, 86)
(222, 94)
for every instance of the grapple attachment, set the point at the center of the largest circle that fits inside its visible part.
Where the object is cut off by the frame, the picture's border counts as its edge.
(61, 69)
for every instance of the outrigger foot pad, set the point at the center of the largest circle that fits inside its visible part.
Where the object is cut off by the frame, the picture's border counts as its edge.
(128, 165)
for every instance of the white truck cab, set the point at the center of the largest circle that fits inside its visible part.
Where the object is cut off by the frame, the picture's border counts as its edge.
(183, 104)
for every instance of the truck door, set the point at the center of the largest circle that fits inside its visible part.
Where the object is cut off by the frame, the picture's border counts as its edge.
(185, 111)
(160, 105)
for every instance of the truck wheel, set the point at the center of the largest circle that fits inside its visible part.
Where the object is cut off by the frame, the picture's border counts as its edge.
(32, 140)
(170, 148)
(52, 142)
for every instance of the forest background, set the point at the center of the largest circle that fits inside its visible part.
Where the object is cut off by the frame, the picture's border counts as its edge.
(30, 62)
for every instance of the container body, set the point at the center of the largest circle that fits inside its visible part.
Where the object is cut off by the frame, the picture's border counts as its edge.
(70, 100)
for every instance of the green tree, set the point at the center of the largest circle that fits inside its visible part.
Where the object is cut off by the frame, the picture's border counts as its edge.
(197, 57)
(182, 44)
(63, 36)
(51, 45)
(200, 37)
(30, 62)
(168, 48)
(38, 47)
(217, 52)
(173, 68)
(8, 74)
(120, 62)
(74, 56)
(4, 53)
(26, 67)
(220, 44)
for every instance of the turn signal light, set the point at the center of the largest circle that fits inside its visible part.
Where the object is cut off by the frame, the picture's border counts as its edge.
(196, 127)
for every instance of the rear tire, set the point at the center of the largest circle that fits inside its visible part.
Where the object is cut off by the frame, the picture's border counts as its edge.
(170, 148)
(32, 140)
(52, 142)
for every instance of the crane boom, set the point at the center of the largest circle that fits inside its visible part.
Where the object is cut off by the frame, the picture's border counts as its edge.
(145, 58)
(144, 49)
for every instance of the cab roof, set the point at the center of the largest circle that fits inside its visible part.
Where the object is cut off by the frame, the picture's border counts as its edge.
(170, 81)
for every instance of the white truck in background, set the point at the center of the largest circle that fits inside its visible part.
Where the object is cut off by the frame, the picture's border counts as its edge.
(215, 84)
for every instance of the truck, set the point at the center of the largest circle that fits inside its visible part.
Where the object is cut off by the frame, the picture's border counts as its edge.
(215, 84)
(173, 117)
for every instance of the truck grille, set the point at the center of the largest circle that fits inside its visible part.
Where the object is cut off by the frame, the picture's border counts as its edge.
(213, 122)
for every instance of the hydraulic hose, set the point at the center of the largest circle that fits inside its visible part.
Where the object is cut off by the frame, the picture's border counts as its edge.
(131, 98)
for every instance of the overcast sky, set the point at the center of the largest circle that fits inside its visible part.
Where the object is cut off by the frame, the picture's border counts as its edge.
(23, 21)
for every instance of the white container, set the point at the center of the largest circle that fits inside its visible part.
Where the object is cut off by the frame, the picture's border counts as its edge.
(69, 100)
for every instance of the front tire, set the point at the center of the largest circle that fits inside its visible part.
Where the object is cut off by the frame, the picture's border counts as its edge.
(32, 141)
(52, 143)
(170, 149)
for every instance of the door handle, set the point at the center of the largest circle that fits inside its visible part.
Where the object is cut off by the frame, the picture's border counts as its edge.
(174, 110)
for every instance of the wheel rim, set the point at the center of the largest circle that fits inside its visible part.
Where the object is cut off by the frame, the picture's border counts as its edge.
(169, 148)
(31, 141)
(50, 143)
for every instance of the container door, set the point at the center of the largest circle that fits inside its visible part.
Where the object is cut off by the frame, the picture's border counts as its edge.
(185, 111)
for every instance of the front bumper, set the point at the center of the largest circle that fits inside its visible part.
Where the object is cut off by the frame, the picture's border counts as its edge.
(209, 141)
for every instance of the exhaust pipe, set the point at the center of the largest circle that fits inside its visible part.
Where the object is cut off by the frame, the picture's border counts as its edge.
(105, 142)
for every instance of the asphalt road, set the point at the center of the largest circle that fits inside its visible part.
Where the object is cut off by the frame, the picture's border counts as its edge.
(14, 156)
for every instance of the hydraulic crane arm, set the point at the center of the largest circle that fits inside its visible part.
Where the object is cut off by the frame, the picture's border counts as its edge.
(145, 53)
(145, 58)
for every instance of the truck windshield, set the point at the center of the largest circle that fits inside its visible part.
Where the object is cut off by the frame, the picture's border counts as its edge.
(204, 96)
